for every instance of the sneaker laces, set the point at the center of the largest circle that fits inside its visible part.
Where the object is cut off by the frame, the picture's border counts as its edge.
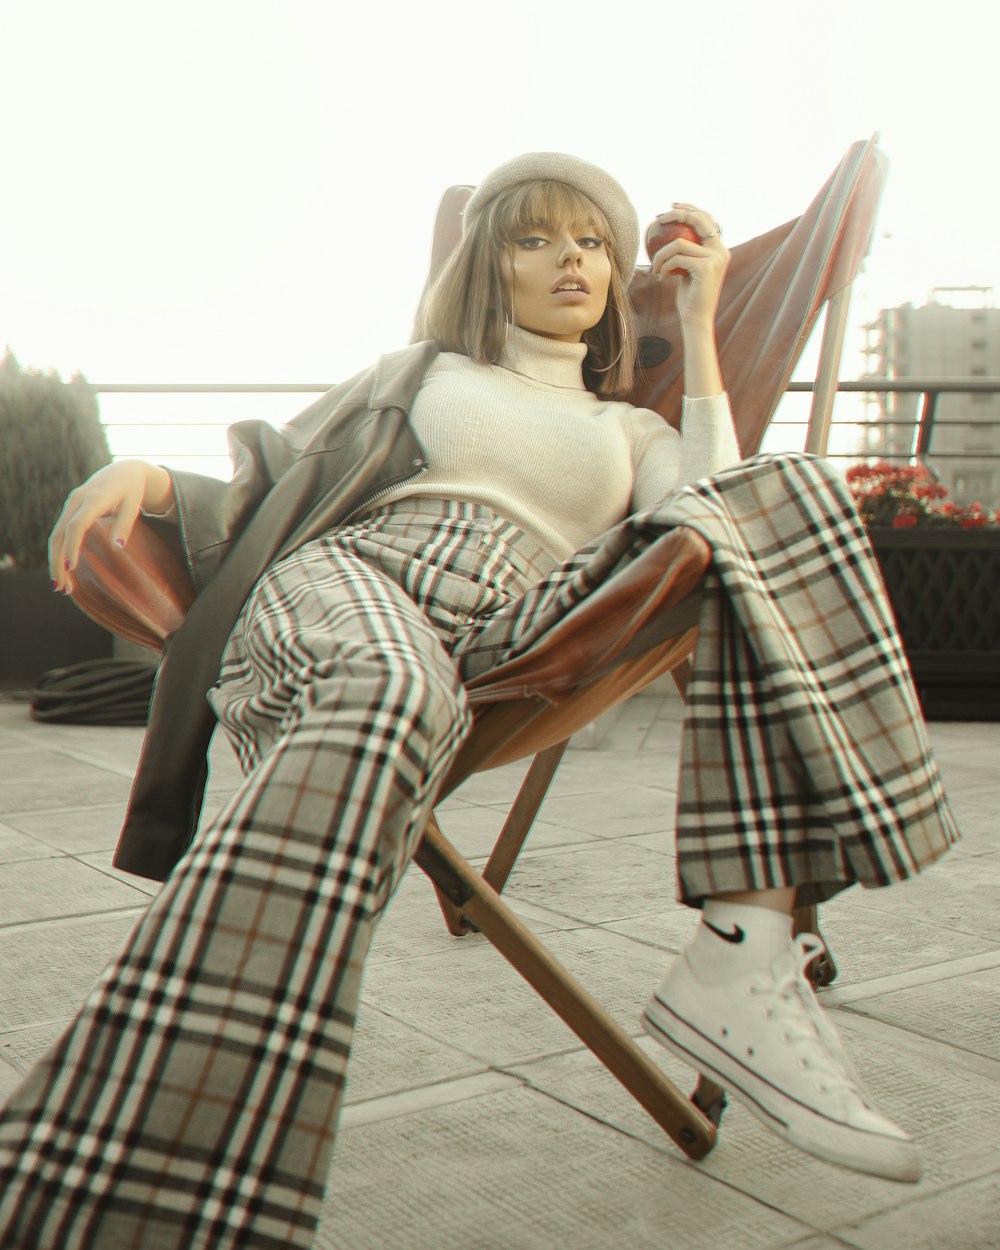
(791, 1001)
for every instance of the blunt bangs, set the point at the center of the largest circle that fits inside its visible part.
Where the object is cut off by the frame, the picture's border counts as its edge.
(546, 204)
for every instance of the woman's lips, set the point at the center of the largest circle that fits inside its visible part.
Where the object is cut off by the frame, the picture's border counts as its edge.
(572, 289)
(569, 283)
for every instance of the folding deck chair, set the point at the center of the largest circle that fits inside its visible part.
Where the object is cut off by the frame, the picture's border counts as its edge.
(639, 625)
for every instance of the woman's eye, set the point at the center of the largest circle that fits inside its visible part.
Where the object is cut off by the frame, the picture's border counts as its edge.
(590, 242)
(531, 243)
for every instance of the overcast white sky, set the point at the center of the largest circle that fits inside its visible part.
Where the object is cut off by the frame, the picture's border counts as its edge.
(243, 190)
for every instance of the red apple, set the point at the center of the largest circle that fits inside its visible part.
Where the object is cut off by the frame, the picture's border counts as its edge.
(660, 233)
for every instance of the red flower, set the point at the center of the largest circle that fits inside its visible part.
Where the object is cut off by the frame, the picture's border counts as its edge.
(903, 496)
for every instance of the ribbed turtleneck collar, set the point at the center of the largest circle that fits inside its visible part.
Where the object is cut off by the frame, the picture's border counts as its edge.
(549, 361)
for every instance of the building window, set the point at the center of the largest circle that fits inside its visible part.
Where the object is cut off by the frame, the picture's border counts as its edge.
(972, 485)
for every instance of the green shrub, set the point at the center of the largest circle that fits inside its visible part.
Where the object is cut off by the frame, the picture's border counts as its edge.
(51, 438)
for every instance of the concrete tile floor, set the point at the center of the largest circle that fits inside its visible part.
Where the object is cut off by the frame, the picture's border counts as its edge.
(474, 1117)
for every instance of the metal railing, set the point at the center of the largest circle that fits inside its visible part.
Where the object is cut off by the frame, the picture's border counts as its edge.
(922, 426)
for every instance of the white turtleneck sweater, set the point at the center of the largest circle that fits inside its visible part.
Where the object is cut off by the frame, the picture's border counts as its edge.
(528, 440)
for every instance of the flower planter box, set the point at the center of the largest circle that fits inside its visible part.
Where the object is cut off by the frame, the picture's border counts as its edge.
(41, 630)
(944, 585)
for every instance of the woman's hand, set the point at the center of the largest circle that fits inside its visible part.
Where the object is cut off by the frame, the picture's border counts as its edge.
(118, 490)
(704, 264)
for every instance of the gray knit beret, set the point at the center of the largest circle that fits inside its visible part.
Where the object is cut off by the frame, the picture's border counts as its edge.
(598, 186)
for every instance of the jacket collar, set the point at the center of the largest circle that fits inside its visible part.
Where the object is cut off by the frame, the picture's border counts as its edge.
(398, 375)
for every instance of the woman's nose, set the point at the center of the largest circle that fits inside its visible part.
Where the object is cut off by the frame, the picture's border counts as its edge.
(571, 252)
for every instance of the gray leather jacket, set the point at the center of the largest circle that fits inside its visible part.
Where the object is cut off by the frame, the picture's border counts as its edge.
(289, 486)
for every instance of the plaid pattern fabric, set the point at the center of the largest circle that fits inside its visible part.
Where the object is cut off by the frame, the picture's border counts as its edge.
(805, 758)
(194, 1101)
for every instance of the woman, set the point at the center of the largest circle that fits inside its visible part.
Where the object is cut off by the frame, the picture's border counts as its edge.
(352, 575)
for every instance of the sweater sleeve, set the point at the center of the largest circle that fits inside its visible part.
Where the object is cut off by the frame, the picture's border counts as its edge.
(664, 459)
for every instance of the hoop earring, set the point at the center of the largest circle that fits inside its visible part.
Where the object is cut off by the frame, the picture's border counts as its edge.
(509, 320)
(621, 350)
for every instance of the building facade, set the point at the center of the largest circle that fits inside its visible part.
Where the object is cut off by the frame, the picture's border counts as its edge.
(956, 334)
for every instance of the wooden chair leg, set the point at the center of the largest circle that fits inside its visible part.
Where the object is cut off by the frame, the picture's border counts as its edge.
(457, 922)
(681, 673)
(522, 815)
(710, 1099)
(823, 971)
(471, 896)
(512, 836)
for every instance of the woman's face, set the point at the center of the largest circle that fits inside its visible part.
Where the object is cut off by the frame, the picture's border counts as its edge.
(558, 280)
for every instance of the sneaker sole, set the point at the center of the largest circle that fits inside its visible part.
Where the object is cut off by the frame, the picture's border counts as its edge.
(823, 1138)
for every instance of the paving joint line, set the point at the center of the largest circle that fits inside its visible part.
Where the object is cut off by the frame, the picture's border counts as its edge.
(843, 995)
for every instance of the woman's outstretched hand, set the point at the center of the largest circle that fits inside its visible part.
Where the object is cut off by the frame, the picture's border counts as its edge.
(704, 264)
(118, 490)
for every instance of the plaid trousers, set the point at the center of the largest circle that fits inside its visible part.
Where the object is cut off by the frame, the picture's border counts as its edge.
(193, 1103)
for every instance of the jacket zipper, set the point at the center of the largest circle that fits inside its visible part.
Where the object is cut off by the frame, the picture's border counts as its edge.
(419, 464)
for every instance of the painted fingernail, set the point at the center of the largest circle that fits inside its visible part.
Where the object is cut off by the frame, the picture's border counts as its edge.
(66, 565)
(55, 585)
(119, 542)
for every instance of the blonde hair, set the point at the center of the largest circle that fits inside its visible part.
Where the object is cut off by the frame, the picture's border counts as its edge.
(467, 307)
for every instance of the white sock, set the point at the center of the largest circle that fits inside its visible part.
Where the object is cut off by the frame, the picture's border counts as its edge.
(736, 938)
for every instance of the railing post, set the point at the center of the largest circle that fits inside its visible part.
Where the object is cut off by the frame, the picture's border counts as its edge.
(925, 426)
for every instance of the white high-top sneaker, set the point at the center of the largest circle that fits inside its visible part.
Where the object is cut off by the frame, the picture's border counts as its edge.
(764, 1037)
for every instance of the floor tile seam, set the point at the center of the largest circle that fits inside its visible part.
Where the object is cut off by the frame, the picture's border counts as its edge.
(13, 1030)
(910, 1201)
(34, 859)
(574, 921)
(421, 1098)
(617, 838)
(112, 874)
(653, 946)
(64, 809)
(913, 978)
(575, 1046)
(666, 1147)
(104, 766)
(559, 921)
(523, 911)
(396, 1018)
(44, 922)
(955, 1048)
(825, 1235)
(806, 1229)
(584, 1058)
(969, 1062)
(586, 837)
(59, 852)
(591, 840)
(931, 922)
(92, 761)
(492, 1078)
